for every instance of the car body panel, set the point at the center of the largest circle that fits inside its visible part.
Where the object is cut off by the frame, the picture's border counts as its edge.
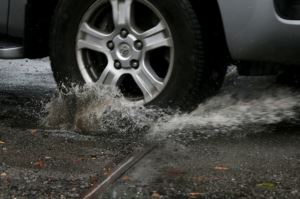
(16, 21)
(4, 4)
(253, 29)
(255, 32)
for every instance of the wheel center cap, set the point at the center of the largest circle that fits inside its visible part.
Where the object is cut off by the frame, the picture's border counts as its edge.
(125, 50)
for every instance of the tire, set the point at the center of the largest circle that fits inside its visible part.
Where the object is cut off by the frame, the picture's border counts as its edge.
(290, 77)
(192, 78)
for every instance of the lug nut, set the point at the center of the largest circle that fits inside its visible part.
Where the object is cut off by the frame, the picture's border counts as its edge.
(124, 33)
(118, 64)
(138, 45)
(135, 64)
(110, 45)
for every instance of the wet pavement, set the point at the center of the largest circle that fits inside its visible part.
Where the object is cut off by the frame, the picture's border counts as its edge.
(260, 166)
(36, 162)
(246, 145)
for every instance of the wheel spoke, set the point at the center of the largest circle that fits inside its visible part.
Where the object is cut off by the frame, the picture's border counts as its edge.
(148, 82)
(159, 28)
(121, 10)
(137, 63)
(110, 77)
(156, 37)
(92, 39)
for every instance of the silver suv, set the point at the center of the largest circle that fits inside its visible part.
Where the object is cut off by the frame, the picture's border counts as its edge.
(170, 53)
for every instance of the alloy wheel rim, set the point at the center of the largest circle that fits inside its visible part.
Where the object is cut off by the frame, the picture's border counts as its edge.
(127, 49)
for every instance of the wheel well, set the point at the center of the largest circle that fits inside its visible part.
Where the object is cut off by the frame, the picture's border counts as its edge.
(37, 27)
(209, 16)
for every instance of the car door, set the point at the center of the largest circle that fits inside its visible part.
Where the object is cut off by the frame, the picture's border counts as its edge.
(4, 4)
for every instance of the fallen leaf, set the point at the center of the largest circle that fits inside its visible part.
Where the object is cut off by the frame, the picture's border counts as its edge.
(155, 195)
(199, 179)
(107, 171)
(93, 180)
(125, 178)
(266, 185)
(39, 164)
(1, 142)
(221, 168)
(33, 132)
(195, 195)
(173, 172)
(79, 160)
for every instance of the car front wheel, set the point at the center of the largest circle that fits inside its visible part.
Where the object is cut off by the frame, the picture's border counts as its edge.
(151, 50)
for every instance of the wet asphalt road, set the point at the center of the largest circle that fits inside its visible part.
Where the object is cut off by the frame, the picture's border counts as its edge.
(36, 162)
(260, 166)
(257, 161)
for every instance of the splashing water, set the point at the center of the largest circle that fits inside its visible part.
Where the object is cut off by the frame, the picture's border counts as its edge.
(226, 113)
(96, 109)
(101, 109)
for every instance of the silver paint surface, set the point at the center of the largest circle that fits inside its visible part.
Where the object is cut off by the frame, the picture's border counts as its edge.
(254, 31)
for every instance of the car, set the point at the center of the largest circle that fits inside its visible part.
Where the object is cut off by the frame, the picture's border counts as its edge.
(166, 53)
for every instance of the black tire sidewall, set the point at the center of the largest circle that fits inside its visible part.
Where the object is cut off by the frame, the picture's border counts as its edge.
(187, 42)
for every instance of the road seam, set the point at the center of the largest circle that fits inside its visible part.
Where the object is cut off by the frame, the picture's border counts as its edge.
(98, 190)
